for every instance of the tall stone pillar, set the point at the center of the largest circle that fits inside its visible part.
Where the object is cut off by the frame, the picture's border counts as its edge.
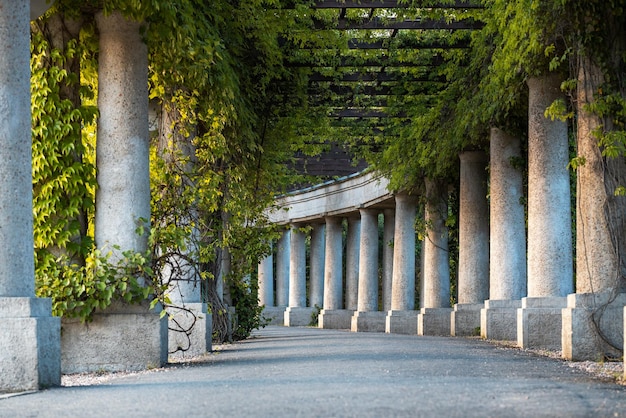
(402, 317)
(592, 321)
(266, 281)
(297, 314)
(30, 349)
(387, 262)
(368, 317)
(550, 258)
(333, 316)
(283, 248)
(122, 205)
(473, 276)
(353, 239)
(507, 263)
(316, 265)
(297, 268)
(434, 317)
(274, 314)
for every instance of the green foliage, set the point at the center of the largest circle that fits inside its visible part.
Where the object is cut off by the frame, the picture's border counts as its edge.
(63, 182)
(80, 290)
(249, 313)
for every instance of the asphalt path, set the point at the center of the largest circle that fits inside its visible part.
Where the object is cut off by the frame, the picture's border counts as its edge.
(307, 372)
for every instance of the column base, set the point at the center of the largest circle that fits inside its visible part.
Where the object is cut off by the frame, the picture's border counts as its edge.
(122, 337)
(298, 316)
(498, 320)
(189, 333)
(434, 321)
(373, 321)
(401, 322)
(335, 319)
(465, 319)
(275, 315)
(30, 344)
(580, 338)
(539, 322)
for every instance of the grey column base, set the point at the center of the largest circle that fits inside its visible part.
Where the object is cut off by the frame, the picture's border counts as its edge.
(373, 321)
(335, 319)
(275, 315)
(189, 333)
(539, 323)
(580, 339)
(123, 337)
(30, 345)
(401, 322)
(434, 321)
(298, 316)
(465, 319)
(498, 320)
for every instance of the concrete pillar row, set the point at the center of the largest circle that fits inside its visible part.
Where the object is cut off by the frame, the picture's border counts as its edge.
(122, 204)
(507, 236)
(353, 241)
(402, 317)
(473, 274)
(434, 317)
(30, 350)
(550, 257)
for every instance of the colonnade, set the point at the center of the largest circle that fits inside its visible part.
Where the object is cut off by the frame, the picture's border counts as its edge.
(515, 271)
(355, 297)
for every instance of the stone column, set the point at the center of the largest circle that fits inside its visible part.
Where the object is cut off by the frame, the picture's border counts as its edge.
(30, 350)
(507, 263)
(434, 318)
(283, 249)
(353, 239)
(473, 276)
(402, 317)
(297, 268)
(333, 316)
(297, 314)
(597, 305)
(387, 262)
(367, 317)
(122, 205)
(550, 258)
(123, 146)
(266, 281)
(316, 266)
(274, 314)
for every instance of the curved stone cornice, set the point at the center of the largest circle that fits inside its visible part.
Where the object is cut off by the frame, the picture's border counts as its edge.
(337, 198)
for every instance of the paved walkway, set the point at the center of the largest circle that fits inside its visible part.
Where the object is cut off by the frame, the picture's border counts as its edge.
(304, 372)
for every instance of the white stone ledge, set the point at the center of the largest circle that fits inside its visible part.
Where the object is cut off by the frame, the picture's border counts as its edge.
(336, 198)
